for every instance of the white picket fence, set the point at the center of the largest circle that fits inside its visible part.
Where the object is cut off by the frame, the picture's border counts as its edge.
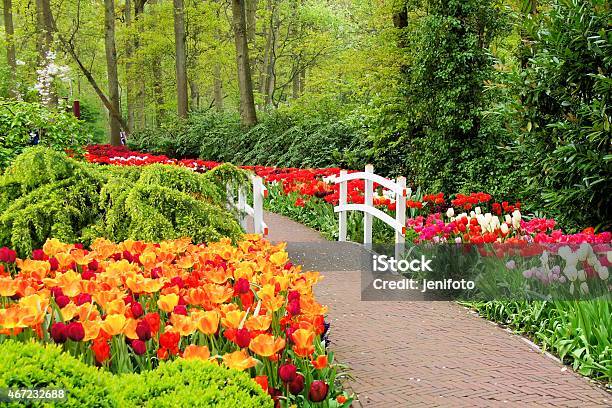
(398, 224)
(260, 192)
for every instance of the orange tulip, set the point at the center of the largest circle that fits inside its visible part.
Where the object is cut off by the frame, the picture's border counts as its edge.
(130, 329)
(54, 246)
(232, 319)
(80, 257)
(219, 293)
(91, 328)
(259, 323)
(37, 269)
(114, 324)
(168, 302)
(279, 258)
(303, 342)
(116, 306)
(239, 360)
(266, 345)
(148, 259)
(207, 322)
(184, 325)
(8, 287)
(320, 362)
(193, 352)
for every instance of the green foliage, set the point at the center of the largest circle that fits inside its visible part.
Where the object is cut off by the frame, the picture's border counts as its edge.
(562, 124)
(46, 194)
(281, 138)
(193, 383)
(580, 332)
(19, 121)
(35, 366)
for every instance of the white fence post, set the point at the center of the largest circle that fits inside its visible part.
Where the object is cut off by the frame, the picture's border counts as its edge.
(400, 217)
(343, 194)
(369, 200)
(258, 205)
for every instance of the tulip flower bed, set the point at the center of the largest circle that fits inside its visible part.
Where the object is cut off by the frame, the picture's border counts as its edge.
(127, 307)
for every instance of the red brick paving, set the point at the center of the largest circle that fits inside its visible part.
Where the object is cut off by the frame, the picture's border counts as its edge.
(434, 354)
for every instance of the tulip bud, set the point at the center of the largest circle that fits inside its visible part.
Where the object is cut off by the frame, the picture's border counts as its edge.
(287, 372)
(62, 301)
(243, 338)
(180, 310)
(139, 347)
(293, 296)
(75, 331)
(242, 285)
(58, 332)
(136, 309)
(82, 298)
(54, 264)
(143, 330)
(38, 255)
(87, 274)
(450, 213)
(318, 391)
(297, 385)
(93, 265)
(293, 308)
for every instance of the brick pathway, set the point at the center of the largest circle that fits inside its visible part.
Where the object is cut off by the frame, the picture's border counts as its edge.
(432, 354)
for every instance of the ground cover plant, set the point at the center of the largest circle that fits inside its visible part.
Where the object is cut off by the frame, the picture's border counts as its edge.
(133, 307)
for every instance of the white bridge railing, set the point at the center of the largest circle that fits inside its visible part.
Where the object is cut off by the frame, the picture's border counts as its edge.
(398, 224)
(244, 209)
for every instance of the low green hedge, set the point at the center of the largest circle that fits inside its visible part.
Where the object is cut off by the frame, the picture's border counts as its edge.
(46, 194)
(178, 383)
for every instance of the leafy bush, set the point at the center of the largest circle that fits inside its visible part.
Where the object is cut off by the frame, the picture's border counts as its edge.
(192, 383)
(46, 194)
(280, 138)
(561, 126)
(22, 122)
(35, 366)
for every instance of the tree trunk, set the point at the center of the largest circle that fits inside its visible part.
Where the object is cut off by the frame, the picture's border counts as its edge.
(139, 109)
(245, 84)
(111, 68)
(263, 70)
(195, 95)
(251, 20)
(270, 85)
(218, 88)
(44, 28)
(129, 53)
(158, 89)
(400, 21)
(181, 58)
(10, 47)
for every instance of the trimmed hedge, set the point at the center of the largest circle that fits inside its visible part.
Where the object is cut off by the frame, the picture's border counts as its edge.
(46, 194)
(181, 382)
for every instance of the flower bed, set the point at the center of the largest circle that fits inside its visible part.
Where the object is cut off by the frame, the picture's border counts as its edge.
(127, 307)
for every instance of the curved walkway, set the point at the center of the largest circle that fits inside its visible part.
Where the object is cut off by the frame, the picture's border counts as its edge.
(428, 354)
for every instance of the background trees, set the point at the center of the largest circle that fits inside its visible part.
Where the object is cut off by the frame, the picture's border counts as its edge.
(457, 95)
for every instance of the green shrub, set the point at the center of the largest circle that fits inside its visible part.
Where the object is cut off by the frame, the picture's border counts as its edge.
(190, 384)
(20, 120)
(35, 366)
(178, 383)
(45, 194)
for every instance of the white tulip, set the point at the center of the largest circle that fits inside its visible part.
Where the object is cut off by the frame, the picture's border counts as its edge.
(478, 210)
(571, 272)
(458, 240)
(450, 212)
(603, 273)
(508, 219)
(609, 256)
(584, 288)
(504, 228)
(582, 275)
(564, 252)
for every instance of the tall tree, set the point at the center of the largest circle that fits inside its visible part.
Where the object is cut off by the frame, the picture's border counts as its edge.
(251, 20)
(129, 53)
(111, 68)
(139, 96)
(181, 58)
(245, 83)
(10, 47)
(45, 28)
(218, 88)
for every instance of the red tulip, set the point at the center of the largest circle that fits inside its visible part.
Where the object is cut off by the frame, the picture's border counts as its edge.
(143, 330)
(243, 338)
(136, 309)
(287, 372)
(242, 285)
(62, 301)
(318, 391)
(101, 350)
(297, 385)
(139, 347)
(75, 331)
(58, 332)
